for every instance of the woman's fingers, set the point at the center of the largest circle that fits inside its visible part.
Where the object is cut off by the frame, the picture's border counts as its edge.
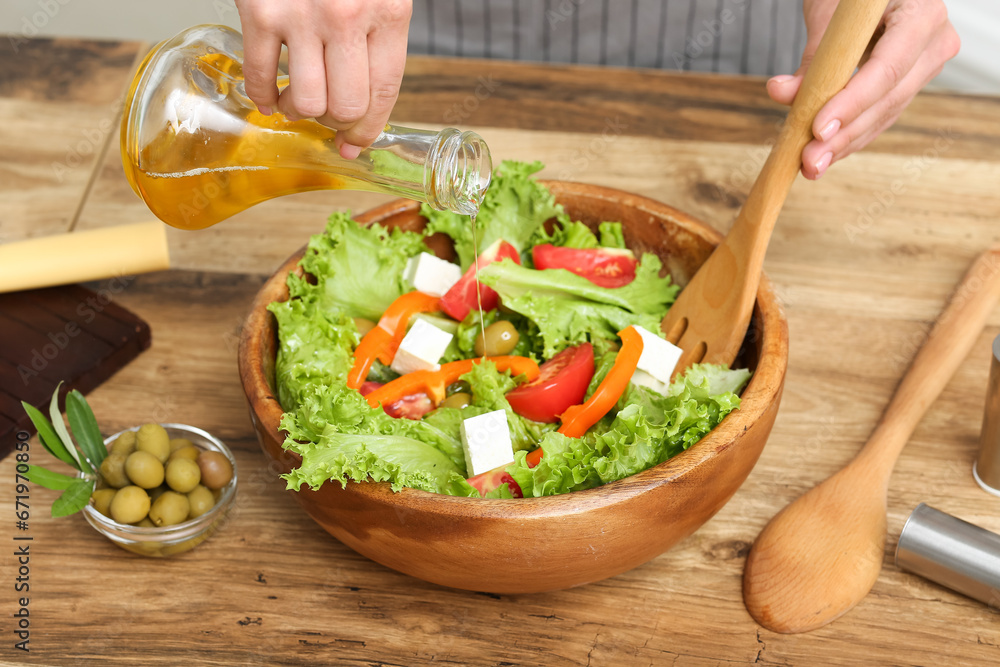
(917, 40)
(871, 122)
(347, 74)
(783, 88)
(906, 38)
(305, 96)
(386, 62)
(262, 48)
(345, 61)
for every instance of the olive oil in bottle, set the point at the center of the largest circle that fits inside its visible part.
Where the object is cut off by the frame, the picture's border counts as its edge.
(197, 150)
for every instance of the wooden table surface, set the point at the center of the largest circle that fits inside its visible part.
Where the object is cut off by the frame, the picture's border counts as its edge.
(863, 260)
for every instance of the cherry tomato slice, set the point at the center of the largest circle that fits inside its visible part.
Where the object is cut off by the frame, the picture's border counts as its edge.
(461, 298)
(492, 479)
(413, 406)
(368, 386)
(606, 267)
(562, 381)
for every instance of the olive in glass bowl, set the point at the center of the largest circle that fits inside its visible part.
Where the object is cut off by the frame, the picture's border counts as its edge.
(169, 540)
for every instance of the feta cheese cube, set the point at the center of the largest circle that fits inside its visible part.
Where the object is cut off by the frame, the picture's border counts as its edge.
(431, 275)
(659, 357)
(646, 380)
(421, 348)
(486, 441)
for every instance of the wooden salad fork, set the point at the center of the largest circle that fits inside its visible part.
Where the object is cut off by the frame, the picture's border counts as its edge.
(710, 318)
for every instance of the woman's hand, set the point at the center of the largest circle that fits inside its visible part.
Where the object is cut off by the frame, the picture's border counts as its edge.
(917, 39)
(345, 62)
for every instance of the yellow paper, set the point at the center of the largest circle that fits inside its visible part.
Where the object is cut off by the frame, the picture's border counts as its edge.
(81, 256)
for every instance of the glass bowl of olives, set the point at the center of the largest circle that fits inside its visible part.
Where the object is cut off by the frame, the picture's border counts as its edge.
(163, 489)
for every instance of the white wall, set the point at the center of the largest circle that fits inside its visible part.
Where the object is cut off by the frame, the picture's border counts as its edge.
(976, 69)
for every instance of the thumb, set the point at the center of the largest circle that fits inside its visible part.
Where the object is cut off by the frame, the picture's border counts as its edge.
(784, 87)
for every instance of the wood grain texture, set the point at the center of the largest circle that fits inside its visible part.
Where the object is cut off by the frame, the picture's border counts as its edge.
(60, 100)
(654, 103)
(822, 554)
(863, 261)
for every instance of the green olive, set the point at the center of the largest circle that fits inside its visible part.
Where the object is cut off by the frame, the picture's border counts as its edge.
(157, 492)
(201, 500)
(216, 470)
(113, 469)
(146, 523)
(459, 400)
(102, 500)
(364, 325)
(458, 387)
(169, 509)
(183, 475)
(125, 443)
(130, 505)
(179, 443)
(144, 469)
(501, 338)
(153, 438)
(190, 453)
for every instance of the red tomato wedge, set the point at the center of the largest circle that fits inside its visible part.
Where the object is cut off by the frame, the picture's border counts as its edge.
(562, 381)
(492, 479)
(605, 267)
(461, 298)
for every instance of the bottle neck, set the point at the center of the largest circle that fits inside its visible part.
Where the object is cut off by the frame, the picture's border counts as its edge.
(448, 169)
(457, 171)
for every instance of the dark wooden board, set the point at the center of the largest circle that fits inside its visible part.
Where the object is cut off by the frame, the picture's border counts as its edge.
(67, 333)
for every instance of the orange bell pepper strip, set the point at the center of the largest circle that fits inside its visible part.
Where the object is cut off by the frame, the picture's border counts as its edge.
(383, 340)
(434, 383)
(578, 418)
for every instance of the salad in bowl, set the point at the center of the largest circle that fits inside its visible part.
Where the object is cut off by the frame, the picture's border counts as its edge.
(547, 375)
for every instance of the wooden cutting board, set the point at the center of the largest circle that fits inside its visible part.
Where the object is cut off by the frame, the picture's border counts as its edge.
(66, 333)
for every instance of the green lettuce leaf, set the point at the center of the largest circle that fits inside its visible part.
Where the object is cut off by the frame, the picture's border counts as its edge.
(514, 208)
(611, 235)
(316, 347)
(357, 269)
(569, 309)
(646, 430)
(400, 460)
(570, 234)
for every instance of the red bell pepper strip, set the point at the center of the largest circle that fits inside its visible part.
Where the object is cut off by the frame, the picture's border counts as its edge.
(434, 383)
(383, 340)
(578, 418)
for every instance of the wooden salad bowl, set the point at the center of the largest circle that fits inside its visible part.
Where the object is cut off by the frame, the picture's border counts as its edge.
(539, 544)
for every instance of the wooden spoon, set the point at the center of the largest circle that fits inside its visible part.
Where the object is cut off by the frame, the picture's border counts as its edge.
(822, 554)
(711, 315)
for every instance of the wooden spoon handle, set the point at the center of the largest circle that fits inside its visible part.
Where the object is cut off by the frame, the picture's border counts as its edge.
(948, 343)
(740, 256)
(837, 56)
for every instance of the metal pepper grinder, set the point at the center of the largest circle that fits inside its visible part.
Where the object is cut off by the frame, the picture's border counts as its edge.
(986, 469)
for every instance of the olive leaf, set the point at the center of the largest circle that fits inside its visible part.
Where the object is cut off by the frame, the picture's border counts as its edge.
(56, 481)
(56, 439)
(53, 443)
(60, 426)
(74, 498)
(84, 425)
